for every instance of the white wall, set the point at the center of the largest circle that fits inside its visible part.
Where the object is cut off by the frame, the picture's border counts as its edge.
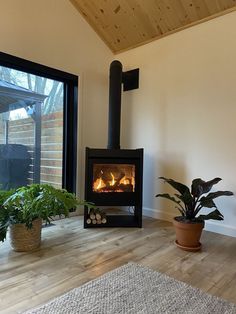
(184, 113)
(53, 33)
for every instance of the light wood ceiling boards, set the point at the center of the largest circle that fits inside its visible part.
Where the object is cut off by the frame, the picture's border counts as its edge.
(125, 24)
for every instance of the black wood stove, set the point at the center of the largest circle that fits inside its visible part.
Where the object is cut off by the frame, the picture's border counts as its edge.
(114, 176)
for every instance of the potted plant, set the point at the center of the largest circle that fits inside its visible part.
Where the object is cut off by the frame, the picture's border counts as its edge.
(24, 209)
(189, 225)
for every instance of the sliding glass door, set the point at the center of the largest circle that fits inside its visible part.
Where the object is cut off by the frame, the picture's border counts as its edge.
(38, 125)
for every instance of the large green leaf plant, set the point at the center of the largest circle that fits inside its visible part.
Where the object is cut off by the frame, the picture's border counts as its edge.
(27, 203)
(190, 202)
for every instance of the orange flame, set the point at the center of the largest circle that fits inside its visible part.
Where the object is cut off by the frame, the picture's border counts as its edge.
(125, 181)
(98, 184)
(113, 181)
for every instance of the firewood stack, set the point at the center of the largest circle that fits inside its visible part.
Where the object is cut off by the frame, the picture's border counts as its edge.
(96, 217)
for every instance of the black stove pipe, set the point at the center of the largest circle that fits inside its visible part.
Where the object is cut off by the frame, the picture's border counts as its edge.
(114, 105)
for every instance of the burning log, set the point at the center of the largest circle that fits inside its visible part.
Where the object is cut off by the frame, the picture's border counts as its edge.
(119, 183)
(126, 187)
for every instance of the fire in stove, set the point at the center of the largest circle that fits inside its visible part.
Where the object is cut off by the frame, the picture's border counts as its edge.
(113, 178)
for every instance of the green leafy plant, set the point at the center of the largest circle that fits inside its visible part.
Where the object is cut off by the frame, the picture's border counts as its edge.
(189, 203)
(27, 203)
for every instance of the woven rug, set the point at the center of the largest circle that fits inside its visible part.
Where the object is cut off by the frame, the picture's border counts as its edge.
(135, 289)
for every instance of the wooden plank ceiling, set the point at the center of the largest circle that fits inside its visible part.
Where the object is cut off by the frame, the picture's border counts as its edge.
(125, 24)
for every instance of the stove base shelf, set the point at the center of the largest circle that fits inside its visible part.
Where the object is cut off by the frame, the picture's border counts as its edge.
(126, 221)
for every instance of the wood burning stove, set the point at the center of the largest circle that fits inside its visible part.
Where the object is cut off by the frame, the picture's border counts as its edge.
(114, 176)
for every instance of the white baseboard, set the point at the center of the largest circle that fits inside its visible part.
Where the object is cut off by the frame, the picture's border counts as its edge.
(213, 226)
(157, 214)
(220, 227)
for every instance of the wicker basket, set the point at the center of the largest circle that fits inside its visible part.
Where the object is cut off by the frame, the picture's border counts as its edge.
(23, 239)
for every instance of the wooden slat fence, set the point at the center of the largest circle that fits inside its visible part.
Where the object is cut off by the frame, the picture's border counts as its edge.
(22, 132)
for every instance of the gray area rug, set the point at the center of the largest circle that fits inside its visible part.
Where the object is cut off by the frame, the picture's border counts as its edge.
(135, 289)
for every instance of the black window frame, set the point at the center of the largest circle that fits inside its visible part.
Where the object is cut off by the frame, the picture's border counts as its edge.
(70, 111)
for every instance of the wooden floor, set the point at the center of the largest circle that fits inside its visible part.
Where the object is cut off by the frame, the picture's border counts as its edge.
(71, 256)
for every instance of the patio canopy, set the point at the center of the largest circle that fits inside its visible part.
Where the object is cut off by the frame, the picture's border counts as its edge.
(14, 97)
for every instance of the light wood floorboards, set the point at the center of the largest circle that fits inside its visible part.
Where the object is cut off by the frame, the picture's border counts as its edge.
(70, 256)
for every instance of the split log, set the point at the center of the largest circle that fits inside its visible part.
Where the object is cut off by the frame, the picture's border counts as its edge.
(103, 218)
(88, 221)
(98, 216)
(104, 221)
(92, 214)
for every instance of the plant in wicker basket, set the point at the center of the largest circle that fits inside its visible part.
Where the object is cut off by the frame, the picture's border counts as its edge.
(23, 210)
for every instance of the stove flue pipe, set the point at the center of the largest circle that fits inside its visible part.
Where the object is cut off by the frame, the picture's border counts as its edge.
(115, 84)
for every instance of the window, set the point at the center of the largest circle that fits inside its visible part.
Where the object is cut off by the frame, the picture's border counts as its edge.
(38, 124)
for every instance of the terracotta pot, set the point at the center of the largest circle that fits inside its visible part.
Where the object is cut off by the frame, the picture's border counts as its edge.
(23, 239)
(188, 234)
